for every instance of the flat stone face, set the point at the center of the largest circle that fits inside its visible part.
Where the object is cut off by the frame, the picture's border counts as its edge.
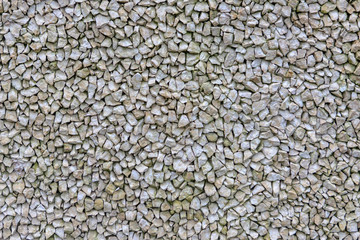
(207, 120)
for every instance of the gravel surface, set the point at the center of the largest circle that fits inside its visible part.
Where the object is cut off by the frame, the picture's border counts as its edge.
(179, 119)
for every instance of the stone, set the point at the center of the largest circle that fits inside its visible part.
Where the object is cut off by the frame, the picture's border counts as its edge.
(207, 87)
(210, 189)
(179, 165)
(126, 52)
(152, 135)
(334, 86)
(258, 157)
(29, 152)
(194, 47)
(212, 137)
(355, 46)
(340, 59)
(327, 7)
(195, 204)
(183, 121)
(83, 73)
(201, 7)
(49, 231)
(357, 70)
(98, 204)
(352, 227)
(274, 234)
(270, 152)
(110, 188)
(101, 20)
(350, 37)
(224, 192)
(299, 133)
(259, 106)
(19, 186)
(342, 5)
(89, 204)
(11, 116)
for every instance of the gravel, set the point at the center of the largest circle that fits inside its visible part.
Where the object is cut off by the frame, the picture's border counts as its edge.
(179, 119)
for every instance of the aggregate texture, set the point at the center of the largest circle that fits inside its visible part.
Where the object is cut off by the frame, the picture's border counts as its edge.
(179, 119)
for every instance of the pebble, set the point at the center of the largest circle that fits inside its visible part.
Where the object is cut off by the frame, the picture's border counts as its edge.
(19, 186)
(340, 59)
(195, 203)
(98, 204)
(210, 189)
(183, 121)
(101, 20)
